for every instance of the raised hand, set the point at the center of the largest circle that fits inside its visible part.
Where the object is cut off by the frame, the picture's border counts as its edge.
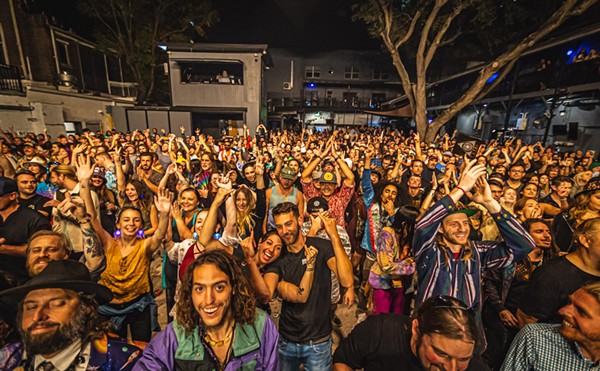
(162, 201)
(311, 256)
(222, 195)
(75, 205)
(328, 222)
(470, 174)
(248, 246)
(176, 210)
(84, 168)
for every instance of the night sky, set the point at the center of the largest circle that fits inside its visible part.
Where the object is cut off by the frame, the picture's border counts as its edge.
(295, 24)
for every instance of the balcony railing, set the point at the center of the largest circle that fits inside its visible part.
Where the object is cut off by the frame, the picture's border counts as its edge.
(322, 103)
(10, 80)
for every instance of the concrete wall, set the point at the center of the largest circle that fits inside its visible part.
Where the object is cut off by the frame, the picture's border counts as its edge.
(231, 98)
(50, 110)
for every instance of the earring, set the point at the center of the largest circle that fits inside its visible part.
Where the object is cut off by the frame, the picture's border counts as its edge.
(195, 235)
(140, 234)
(117, 233)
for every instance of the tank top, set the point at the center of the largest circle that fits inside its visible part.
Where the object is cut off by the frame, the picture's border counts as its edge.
(126, 277)
(277, 198)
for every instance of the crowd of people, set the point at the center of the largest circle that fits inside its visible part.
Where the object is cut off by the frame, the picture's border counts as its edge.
(485, 258)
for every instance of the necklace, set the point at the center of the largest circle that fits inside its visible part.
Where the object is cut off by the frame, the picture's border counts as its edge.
(219, 343)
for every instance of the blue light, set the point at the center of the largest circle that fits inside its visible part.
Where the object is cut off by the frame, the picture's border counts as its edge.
(492, 78)
(163, 47)
(569, 52)
(311, 85)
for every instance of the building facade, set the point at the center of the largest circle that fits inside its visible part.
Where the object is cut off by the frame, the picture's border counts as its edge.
(54, 79)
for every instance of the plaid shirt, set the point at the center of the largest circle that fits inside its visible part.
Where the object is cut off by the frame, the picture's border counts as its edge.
(540, 346)
(440, 273)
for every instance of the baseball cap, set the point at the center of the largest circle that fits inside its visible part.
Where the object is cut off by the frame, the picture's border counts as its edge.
(288, 173)
(448, 153)
(28, 143)
(317, 205)
(7, 186)
(100, 172)
(328, 177)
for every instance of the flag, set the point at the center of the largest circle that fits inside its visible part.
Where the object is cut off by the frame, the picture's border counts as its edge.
(466, 144)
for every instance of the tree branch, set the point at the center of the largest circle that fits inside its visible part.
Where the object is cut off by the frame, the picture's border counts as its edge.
(441, 33)
(495, 83)
(409, 32)
(553, 22)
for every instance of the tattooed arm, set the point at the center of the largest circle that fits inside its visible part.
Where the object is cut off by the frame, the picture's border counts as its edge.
(92, 246)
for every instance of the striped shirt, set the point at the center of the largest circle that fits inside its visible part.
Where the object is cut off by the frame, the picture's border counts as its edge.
(439, 273)
(540, 346)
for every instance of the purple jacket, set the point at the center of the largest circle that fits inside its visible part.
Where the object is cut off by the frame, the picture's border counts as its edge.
(254, 348)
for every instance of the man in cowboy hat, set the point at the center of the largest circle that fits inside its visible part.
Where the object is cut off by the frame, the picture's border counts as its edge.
(59, 325)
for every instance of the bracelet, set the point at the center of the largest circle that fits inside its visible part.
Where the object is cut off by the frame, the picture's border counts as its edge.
(86, 220)
(309, 269)
(463, 191)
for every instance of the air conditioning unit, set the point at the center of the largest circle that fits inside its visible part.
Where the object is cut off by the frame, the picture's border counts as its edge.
(287, 86)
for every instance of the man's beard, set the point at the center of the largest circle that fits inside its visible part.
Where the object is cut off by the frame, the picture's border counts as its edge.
(56, 340)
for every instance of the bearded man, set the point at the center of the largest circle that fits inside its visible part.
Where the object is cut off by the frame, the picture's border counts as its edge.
(60, 326)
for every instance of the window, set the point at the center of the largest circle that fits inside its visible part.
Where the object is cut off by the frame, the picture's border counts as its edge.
(62, 51)
(312, 72)
(380, 74)
(212, 72)
(351, 73)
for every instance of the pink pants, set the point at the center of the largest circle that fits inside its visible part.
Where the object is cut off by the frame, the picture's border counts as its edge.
(388, 301)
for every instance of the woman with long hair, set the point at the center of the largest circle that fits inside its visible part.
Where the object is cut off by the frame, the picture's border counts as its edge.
(392, 272)
(544, 185)
(133, 193)
(586, 206)
(127, 274)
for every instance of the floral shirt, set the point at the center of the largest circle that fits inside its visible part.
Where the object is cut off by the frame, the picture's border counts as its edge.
(337, 203)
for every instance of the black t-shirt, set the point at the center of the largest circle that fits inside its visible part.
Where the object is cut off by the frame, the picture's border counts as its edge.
(312, 320)
(36, 203)
(382, 342)
(17, 229)
(550, 287)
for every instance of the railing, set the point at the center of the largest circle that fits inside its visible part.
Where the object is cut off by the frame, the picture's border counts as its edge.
(10, 80)
(527, 81)
(275, 104)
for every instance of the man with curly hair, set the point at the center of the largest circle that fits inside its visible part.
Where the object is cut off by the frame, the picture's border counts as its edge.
(218, 326)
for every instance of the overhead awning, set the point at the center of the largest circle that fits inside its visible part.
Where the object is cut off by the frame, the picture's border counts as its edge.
(404, 111)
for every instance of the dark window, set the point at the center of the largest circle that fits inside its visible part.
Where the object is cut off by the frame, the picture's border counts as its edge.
(351, 73)
(62, 51)
(380, 74)
(312, 72)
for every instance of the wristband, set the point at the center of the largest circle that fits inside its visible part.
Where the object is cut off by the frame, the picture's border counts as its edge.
(86, 220)
(463, 191)
(309, 269)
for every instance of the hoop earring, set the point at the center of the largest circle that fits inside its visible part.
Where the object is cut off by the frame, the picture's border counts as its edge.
(140, 234)
(117, 233)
